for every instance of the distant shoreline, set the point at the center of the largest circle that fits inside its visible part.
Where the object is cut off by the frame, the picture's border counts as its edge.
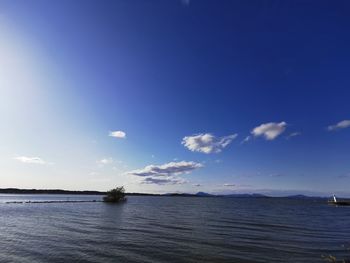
(59, 192)
(88, 192)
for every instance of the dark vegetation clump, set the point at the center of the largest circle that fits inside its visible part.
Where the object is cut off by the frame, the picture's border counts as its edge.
(115, 195)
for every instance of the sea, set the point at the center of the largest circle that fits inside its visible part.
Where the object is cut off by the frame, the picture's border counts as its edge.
(172, 229)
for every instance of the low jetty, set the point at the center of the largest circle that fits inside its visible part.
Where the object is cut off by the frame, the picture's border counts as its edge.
(334, 201)
(52, 202)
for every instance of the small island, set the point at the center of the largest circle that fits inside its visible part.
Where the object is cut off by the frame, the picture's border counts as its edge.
(115, 195)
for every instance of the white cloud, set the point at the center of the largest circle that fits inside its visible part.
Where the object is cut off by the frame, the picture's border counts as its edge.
(166, 173)
(117, 134)
(269, 130)
(207, 143)
(168, 169)
(105, 161)
(31, 160)
(340, 125)
(229, 185)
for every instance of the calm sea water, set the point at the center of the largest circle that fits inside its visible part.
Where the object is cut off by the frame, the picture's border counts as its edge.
(172, 229)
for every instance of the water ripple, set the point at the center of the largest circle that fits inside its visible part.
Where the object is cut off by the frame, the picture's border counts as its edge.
(167, 229)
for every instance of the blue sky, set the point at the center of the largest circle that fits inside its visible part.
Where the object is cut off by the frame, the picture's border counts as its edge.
(186, 82)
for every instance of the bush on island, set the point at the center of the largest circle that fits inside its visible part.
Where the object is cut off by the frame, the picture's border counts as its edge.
(115, 195)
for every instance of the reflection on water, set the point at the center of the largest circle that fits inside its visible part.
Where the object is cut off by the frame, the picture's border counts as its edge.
(172, 229)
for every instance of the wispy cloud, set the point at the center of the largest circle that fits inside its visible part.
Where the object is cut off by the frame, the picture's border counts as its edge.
(269, 131)
(340, 125)
(31, 160)
(105, 161)
(168, 169)
(228, 185)
(163, 180)
(344, 176)
(276, 175)
(166, 173)
(207, 143)
(293, 134)
(117, 134)
(197, 185)
(186, 2)
(246, 139)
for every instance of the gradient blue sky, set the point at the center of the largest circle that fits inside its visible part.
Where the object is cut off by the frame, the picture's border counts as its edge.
(71, 72)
